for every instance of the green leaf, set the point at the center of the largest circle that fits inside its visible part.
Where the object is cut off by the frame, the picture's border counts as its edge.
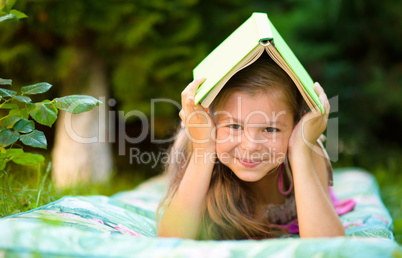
(44, 113)
(14, 152)
(8, 137)
(9, 106)
(24, 126)
(77, 103)
(19, 14)
(29, 159)
(36, 88)
(23, 113)
(10, 121)
(8, 17)
(24, 99)
(7, 93)
(5, 81)
(6, 5)
(7, 155)
(3, 161)
(35, 139)
(20, 157)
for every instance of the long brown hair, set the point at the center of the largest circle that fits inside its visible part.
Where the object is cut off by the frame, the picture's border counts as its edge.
(229, 210)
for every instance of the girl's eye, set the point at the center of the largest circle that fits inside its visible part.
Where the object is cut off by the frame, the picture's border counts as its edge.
(235, 126)
(271, 130)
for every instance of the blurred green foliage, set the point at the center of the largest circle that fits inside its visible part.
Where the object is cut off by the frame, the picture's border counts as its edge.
(150, 48)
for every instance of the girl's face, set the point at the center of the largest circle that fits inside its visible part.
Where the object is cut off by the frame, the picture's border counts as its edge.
(253, 133)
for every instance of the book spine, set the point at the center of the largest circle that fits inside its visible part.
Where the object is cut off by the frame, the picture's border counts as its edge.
(263, 27)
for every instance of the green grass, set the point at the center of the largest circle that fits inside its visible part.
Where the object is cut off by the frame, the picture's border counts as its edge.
(23, 189)
(390, 183)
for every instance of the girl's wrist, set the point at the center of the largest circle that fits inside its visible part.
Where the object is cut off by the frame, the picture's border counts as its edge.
(204, 147)
(204, 154)
(299, 152)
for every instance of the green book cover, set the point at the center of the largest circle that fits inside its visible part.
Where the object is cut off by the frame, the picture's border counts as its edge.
(249, 41)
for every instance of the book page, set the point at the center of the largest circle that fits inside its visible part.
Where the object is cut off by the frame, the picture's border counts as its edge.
(246, 61)
(274, 54)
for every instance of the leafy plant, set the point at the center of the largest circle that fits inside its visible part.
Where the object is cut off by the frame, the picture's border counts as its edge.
(7, 13)
(17, 127)
(18, 124)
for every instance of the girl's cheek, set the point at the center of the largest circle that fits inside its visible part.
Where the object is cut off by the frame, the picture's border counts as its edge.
(278, 143)
(222, 152)
(225, 146)
(221, 140)
(227, 136)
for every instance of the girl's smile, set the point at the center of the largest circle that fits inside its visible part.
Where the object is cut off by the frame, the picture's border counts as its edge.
(249, 163)
(253, 134)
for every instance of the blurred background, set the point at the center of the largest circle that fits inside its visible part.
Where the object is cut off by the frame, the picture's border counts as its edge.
(129, 52)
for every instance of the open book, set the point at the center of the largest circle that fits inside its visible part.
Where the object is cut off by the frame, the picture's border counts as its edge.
(243, 47)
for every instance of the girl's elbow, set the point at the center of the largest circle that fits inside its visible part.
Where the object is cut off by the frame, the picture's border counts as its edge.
(161, 231)
(165, 232)
(339, 232)
(174, 233)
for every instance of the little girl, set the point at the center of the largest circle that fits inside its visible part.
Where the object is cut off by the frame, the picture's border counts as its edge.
(252, 165)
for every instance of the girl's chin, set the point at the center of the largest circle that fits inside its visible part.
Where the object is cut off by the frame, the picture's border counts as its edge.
(253, 174)
(249, 175)
(248, 178)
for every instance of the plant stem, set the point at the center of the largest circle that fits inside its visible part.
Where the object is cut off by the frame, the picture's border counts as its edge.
(43, 183)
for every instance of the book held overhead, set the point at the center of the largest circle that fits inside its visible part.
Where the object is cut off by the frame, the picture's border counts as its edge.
(242, 48)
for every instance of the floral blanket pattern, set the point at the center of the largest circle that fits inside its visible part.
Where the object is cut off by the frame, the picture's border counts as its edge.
(124, 225)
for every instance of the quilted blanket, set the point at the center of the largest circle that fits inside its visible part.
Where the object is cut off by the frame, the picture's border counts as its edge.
(124, 225)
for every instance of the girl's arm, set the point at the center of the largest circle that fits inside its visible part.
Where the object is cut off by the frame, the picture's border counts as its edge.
(316, 214)
(182, 216)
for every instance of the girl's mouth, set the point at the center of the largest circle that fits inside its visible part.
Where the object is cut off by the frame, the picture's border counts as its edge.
(249, 163)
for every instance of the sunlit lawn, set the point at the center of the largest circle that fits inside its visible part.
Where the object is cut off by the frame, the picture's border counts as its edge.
(25, 189)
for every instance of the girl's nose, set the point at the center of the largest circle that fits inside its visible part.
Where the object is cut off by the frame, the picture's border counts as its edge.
(250, 141)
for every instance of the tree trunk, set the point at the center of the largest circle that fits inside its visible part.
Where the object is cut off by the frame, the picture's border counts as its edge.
(82, 153)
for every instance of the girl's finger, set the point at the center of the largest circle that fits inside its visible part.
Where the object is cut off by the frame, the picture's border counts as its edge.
(190, 90)
(327, 106)
(317, 88)
(193, 86)
(321, 93)
(322, 97)
(201, 111)
(186, 91)
(189, 104)
(181, 115)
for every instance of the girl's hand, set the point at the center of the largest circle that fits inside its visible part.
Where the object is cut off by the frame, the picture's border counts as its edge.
(310, 126)
(200, 128)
